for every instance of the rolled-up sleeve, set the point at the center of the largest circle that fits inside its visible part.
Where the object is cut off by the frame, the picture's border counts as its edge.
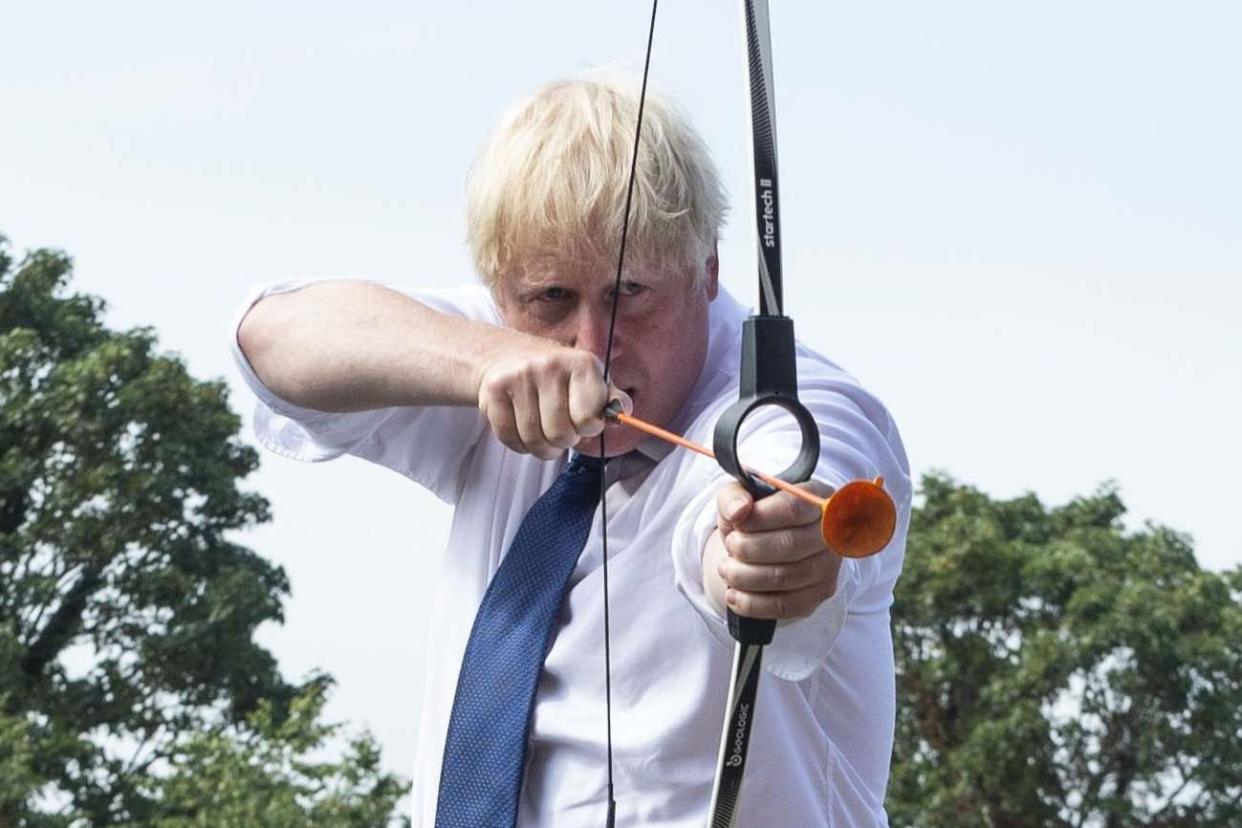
(426, 444)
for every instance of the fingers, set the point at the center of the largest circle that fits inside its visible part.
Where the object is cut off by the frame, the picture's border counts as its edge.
(779, 606)
(777, 566)
(498, 410)
(733, 507)
(737, 509)
(550, 415)
(533, 432)
(779, 574)
(783, 509)
(774, 546)
(586, 396)
(546, 402)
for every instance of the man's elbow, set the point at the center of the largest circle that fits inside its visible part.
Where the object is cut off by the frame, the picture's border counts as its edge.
(256, 335)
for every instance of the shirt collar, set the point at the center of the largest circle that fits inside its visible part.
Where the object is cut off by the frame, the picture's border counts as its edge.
(654, 449)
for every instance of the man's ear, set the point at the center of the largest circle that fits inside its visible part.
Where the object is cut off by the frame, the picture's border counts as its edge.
(711, 271)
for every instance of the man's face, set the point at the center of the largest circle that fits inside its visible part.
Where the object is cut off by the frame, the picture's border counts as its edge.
(660, 340)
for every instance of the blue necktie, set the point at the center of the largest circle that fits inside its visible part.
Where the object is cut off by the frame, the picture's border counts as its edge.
(484, 753)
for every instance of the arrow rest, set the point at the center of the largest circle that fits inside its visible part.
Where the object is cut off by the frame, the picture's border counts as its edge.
(768, 377)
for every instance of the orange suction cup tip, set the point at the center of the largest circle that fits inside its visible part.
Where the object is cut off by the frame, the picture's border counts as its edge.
(859, 519)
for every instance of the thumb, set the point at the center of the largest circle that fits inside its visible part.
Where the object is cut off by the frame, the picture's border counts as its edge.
(733, 506)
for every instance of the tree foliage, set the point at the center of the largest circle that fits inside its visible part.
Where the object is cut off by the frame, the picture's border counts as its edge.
(127, 616)
(228, 777)
(1056, 670)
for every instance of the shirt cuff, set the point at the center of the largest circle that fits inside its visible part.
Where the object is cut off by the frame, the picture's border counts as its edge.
(798, 647)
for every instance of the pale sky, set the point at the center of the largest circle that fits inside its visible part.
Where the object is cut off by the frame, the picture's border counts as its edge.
(1019, 224)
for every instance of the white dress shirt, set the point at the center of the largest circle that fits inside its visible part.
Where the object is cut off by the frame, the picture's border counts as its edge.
(823, 727)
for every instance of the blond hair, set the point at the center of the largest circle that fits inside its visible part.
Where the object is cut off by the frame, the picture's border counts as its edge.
(550, 184)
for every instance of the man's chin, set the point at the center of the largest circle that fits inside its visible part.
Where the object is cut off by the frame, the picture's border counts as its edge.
(617, 440)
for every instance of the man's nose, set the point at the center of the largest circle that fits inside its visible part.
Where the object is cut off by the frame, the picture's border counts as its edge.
(592, 330)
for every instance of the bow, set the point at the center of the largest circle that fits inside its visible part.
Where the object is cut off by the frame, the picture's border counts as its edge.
(768, 377)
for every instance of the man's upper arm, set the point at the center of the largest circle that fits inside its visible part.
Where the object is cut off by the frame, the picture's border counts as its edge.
(427, 444)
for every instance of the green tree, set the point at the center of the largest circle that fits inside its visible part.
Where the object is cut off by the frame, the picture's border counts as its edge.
(1056, 670)
(260, 775)
(127, 617)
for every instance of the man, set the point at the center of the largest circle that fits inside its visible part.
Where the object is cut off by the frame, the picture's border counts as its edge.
(480, 394)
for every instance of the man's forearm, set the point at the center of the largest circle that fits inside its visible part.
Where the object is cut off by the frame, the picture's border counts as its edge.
(352, 346)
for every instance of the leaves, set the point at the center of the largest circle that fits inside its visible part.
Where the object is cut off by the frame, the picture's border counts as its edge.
(127, 615)
(261, 775)
(1057, 671)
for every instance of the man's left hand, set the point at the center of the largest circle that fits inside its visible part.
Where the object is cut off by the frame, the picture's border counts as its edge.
(767, 558)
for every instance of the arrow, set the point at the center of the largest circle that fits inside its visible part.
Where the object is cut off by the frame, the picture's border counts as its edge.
(856, 521)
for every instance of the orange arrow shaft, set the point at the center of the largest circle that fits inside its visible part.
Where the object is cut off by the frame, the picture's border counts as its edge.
(677, 440)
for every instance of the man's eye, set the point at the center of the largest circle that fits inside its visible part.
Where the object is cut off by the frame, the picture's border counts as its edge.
(554, 294)
(629, 288)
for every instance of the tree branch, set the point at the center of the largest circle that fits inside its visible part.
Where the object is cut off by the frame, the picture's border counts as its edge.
(63, 625)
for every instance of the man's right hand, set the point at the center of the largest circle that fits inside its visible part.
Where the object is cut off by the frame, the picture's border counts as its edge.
(544, 400)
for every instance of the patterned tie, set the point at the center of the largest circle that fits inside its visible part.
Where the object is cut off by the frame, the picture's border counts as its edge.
(484, 753)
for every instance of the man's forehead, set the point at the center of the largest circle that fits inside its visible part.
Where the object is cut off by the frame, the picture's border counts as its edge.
(548, 270)
(586, 271)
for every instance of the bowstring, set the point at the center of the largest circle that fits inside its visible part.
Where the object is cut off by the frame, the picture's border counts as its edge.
(612, 325)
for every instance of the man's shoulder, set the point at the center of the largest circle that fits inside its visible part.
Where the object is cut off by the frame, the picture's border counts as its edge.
(835, 397)
(818, 375)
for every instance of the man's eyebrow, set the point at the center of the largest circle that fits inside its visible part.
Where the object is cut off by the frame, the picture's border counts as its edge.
(541, 276)
(541, 284)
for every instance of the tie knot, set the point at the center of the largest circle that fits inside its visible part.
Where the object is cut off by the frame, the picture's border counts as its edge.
(580, 463)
